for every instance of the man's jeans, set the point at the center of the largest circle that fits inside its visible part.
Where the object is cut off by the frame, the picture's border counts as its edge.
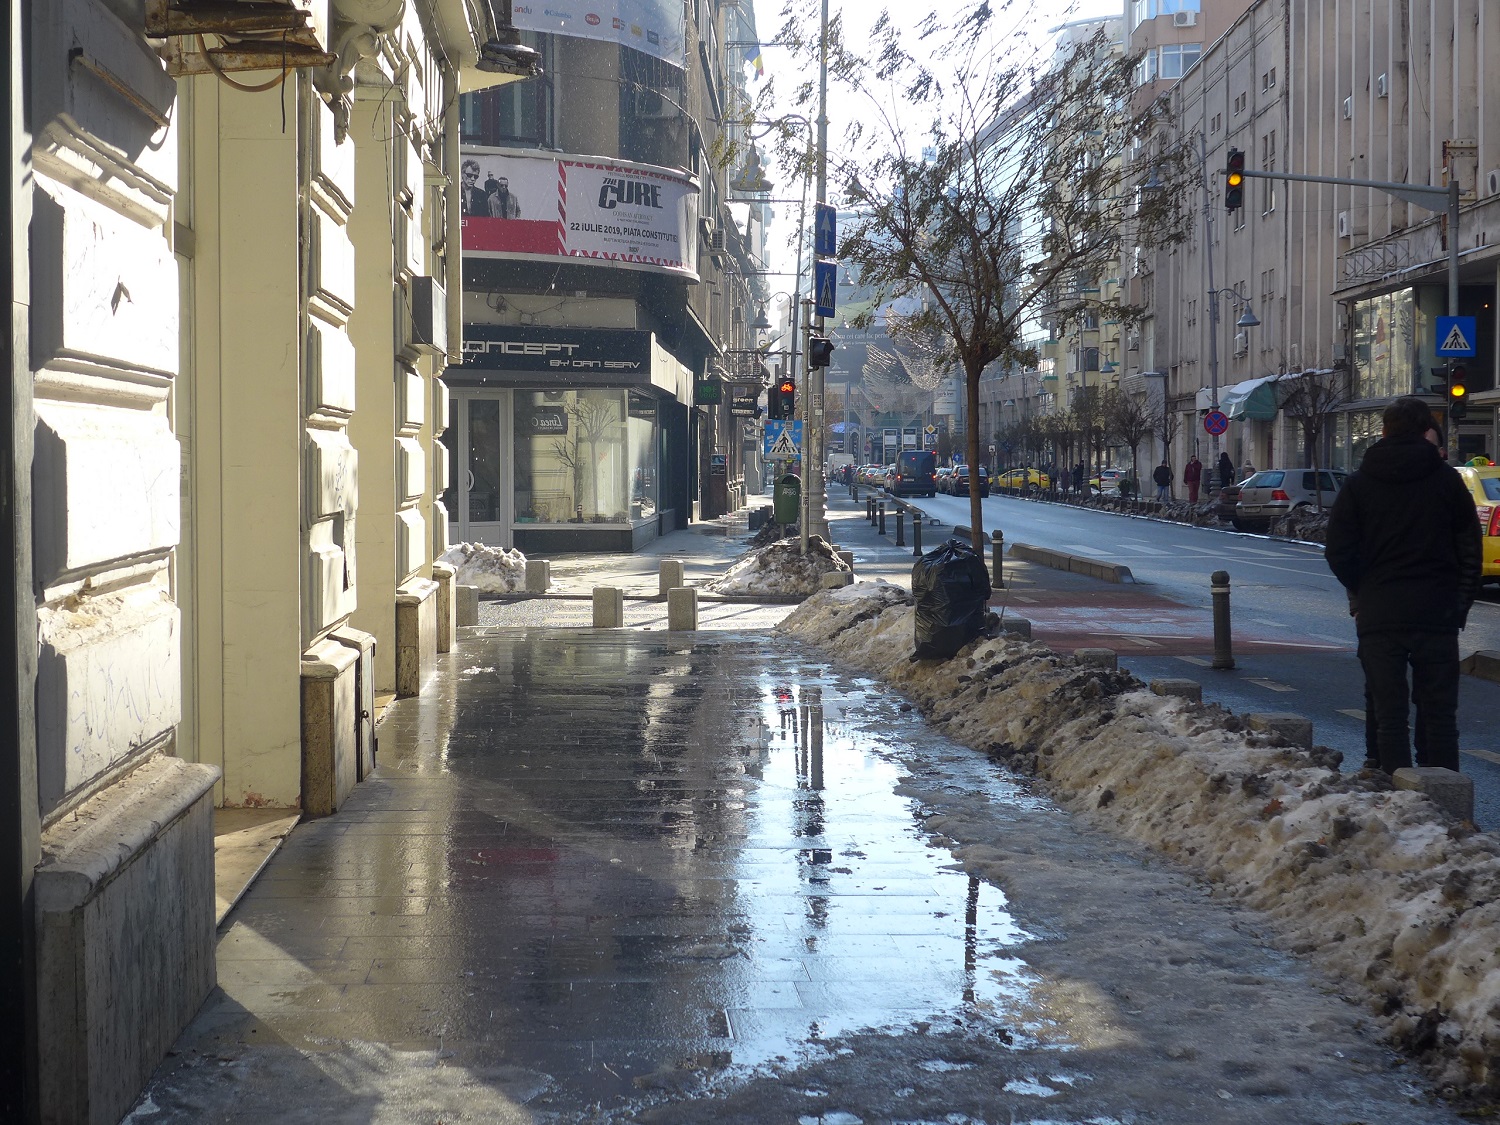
(1433, 659)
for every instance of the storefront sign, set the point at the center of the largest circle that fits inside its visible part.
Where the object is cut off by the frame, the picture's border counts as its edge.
(530, 205)
(742, 404)
(527, 348)
(547, 421)
(654, 27)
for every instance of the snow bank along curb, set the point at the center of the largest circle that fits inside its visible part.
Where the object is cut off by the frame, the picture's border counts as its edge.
(1397, 902)
(781, 569)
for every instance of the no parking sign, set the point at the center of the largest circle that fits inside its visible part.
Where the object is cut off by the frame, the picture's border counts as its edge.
(1216, 422)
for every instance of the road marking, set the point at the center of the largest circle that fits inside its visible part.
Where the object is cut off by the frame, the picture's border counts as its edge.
(1483, 755)
(1352, 712)
(1272, 685)
(1200, 661)
(1142, 641)
(1272, 624)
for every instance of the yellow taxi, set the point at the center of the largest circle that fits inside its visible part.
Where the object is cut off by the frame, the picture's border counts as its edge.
(1484, 485)
(1022, 480)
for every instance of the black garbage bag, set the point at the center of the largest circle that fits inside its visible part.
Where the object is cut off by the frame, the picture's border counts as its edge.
(952, 589)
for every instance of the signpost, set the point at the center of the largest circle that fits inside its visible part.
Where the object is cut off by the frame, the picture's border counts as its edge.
(825, 232)
(1216, 422)
(1457, 335)
(783, 440)
(825, 288)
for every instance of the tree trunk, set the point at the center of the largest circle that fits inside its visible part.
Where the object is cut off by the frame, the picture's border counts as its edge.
(976, 513)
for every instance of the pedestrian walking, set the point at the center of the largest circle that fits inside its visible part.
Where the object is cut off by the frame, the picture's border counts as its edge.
(1078, 475)
(1404, 542)
(1226, 471)
(1162, 477)
(1247, 469)
(1192, 473)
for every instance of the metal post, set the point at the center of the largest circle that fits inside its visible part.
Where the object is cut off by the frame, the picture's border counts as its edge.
(997, 559)
(1223, 648)
(1213, 298)
(870, 509)
(916, 532)
(900, 527)
(882, 517)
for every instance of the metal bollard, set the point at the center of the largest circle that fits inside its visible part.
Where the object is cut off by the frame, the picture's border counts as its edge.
(870, 509)
(997, 559)
(900, 527)
(854, 491)
(882, 517)
(1223, 649)
(916, 532)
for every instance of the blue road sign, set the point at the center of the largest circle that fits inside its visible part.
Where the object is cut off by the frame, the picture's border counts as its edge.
(1216, 421)
(783, 439)
(825, 287)
(826, 232)
(1457, 335)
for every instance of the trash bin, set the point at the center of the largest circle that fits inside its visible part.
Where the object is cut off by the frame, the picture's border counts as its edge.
(786, 500)
(952, 589)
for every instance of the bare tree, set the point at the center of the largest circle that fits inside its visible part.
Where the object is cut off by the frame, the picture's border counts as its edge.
(1166, 423)
(1014, 192)
(1309, 399)
(1128, 420)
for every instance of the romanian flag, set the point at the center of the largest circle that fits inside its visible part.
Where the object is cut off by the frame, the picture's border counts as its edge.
(759, 63)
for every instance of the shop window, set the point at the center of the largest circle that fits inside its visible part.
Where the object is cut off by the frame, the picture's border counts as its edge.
(585, 456)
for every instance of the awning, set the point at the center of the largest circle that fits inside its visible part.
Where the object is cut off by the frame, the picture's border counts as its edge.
(1253, 400)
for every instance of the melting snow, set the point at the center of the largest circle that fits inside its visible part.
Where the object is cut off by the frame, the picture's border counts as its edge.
(1399, 903)
(780, 569)
(495, 570)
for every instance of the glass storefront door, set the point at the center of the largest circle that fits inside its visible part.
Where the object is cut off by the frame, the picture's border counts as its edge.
(478, 498)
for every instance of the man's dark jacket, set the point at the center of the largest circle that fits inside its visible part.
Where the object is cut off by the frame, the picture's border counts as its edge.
(1404, 540)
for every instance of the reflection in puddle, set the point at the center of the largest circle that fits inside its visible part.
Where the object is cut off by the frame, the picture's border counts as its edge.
(842, 887)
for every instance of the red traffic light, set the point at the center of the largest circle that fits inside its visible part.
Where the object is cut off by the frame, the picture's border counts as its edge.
(787, 387)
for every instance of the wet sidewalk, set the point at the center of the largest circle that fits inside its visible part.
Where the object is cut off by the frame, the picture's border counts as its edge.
(631, 875)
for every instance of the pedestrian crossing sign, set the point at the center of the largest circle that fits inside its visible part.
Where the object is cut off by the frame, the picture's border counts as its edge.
(1457, 335)
(783, 440)
(783, 447)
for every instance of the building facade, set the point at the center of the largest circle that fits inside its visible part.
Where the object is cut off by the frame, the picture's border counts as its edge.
(232, 235)
(606, 277)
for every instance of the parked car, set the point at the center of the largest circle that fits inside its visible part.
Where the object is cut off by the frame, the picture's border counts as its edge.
(1225, 501)
(1027, 481)
(958, 482)
(1108, 480)
(941, 481)
(1484, 485)
(1273, 493)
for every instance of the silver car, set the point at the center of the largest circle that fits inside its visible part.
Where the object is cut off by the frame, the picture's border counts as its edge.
(1273, 493)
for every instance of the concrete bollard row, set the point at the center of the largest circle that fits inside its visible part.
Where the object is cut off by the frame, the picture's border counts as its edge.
(670, 577)
(609, 607)
(1102, 657)
(466, 605)
(538, 576)
(682, 609)
(1182, 689)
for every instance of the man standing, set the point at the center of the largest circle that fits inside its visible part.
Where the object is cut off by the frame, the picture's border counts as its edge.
(503, 205)
(472, 199)
(1192, 473)
(1162, 477)
(1404, 540)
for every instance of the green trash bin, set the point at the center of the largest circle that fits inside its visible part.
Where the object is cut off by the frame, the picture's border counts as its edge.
(786, 498)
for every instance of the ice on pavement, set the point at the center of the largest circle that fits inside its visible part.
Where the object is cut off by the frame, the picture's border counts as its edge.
(495, 570)
(1398, 903)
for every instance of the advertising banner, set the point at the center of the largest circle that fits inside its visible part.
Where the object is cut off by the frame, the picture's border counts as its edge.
(637, 216)
(654, 27)
(539, 350)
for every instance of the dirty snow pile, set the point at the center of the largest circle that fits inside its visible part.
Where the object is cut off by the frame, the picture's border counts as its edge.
(495, 570)
(780, 569)
(1380, 888)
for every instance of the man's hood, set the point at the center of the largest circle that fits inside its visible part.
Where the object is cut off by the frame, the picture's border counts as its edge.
(1401, 459)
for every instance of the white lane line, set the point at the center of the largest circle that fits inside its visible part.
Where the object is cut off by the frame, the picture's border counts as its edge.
(1352, 712)
(1200, 661)
(1483, 755)
(1272, 685)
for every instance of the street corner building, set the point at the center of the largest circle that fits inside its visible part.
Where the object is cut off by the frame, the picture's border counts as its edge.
(233, 232)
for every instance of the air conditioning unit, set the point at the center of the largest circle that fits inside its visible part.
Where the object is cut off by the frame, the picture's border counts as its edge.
(1382, 86)
(1184, 19)
(1345, 225)
(1492, 182)
(1241, 343)
(717, 243)
(429, 316)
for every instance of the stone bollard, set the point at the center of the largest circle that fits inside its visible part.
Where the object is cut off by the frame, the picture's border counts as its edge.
(1450, 790)
(1103, 657)
(538, 576)
(466, 605)
(1018, 625)
(834, 579)
(847, 557)
(609, 607)
(1296, 729)
(1183, 689)
(670, 577)
(1223, 643)
(900, 527)
(881, 514)
(997, 559)
(682, 609)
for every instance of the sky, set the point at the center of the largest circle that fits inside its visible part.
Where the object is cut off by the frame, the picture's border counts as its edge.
(1045, 14)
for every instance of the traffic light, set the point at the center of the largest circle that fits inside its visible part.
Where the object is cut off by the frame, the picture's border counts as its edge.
(819, 351)
(783, 399)
(1234, 180)
(1458, 393)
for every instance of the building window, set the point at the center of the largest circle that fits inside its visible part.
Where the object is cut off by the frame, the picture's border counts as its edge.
(1178, 58)
(1268, 163)
(517, 115)
(1240, 103)
(1217, 123)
